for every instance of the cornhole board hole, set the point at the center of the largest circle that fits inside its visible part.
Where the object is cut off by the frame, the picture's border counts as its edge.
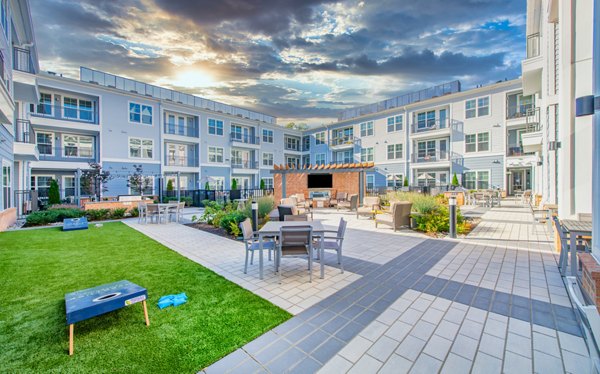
(92, 302)
(70, 224)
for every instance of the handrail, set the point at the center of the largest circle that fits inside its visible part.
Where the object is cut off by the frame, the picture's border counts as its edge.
(66, 113)
(24, 133)
(176, 129)
(430, 125)
(244, 164)
(247, 139)
(181, 161)
(431, 157)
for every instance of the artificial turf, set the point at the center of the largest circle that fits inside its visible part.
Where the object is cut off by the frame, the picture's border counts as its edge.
(37, 268)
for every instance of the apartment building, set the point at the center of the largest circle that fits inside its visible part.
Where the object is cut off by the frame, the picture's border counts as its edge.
(18, 57)
(557, 70)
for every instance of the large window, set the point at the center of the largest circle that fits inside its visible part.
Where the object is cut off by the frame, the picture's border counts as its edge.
(394, 151)
(426, 149)
(215, 126)
(366, 154)
(45, 105)
(78, 146)
(215, 154)
(6, 186)
(44, 141)
(41, 183)
(267, 136)
(139, 113)
(479, 142)
(394, 180)
(68, 186)
(366, 129)
(267, 159)
(476, 180)
(394, 123)
(370, 181)
(320, 138)
(78, 109)
(292, 143)
(292, 161)
(320, 159)
(268, 182)
(477, 107)
(216, 183)
(141, 148)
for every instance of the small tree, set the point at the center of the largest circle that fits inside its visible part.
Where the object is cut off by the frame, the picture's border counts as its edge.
(454, 180)
(94, 180)
(234, 184)
(53, 193)
(138, 181)
(262, 184)
(405, 182)
(207, 186)
(170, 185)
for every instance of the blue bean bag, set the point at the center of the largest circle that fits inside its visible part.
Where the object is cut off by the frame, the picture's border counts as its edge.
(172, 300)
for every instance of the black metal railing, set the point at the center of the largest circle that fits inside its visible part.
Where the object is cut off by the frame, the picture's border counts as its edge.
(221, 196)
(341, 141)
(431, 156)
(183, 130)
(24, 133)
(244, 164)
(296, 148)
(67, 113)
(181, 161)
(516, 150)
(22, 60)
(533, 45)
(519, 111)
(430, 125)
(246, 139)
(50, 153)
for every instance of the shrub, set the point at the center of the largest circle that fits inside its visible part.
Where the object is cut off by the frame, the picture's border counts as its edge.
(405, 182)
(170, 185)
(98, 214)
(135, 212)
(117, 213)
(207, 186)
(455, 180)
(230, 218)
(262, 184)
(187, 200)
(53, 194)
(265, 206)
(234, 184)
(51, 216)
(421, 203)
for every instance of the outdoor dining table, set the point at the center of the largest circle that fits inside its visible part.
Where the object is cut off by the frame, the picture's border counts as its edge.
(271, 229)
(162, 208)
(575, 228)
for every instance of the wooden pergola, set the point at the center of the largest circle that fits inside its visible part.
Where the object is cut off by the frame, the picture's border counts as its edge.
(358, 167)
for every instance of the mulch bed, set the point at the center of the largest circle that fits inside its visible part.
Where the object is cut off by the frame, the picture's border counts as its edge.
(212, 230)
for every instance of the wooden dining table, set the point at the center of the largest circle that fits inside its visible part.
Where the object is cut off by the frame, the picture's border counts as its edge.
(576, 229)
(271, 229)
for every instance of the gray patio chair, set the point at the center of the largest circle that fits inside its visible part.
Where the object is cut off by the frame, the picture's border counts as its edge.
(351, 203)
(252, 243)
(370, 204)
(142, 213)
(399, 215)
(294, 241)
(297, 217)
(334, 243)
(177, 212)
(153, 211)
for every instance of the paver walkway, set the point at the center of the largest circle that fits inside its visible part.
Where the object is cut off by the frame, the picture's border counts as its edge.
(490, 303)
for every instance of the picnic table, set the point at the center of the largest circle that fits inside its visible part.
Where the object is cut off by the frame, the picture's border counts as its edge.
(576, 229)
(271, 229)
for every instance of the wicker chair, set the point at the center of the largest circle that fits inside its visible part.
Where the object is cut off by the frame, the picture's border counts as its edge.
(370, 205)
(398, 216)
(351, 203)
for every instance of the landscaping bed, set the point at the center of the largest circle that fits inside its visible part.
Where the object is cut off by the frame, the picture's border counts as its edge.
(40, 266)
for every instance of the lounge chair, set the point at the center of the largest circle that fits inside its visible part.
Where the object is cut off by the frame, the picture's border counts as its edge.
(294, 241)
(398, 216)
(340, 196)
(351, 203)
(252, 243)
(370, 205)
(285, 210)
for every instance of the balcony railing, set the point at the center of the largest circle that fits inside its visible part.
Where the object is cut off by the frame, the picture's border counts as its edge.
(246, 139)
(533, 45)
(181, 161)
(50, 153)
(292, 148)
(65, 113)
(519, 111)
(431, 156)
(175, 129)
(24, 133)
(244, 164)
(516, 150)
(429, 125)
(342, 141)
(22, 60)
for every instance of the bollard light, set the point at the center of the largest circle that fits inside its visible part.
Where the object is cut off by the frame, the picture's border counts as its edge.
(254, 215)
(452, 206)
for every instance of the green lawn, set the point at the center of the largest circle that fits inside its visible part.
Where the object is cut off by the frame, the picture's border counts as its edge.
(37, 268)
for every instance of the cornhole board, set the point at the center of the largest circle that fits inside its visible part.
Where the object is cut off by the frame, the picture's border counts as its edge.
(92, 302)
(70, 224)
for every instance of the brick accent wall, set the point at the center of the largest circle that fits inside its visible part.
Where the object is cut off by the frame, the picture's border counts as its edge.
(298, 183)
(590, 278)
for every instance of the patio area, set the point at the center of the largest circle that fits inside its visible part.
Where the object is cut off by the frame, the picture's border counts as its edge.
(492, 302)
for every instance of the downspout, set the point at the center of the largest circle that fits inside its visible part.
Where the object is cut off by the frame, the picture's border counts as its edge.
(596, 134)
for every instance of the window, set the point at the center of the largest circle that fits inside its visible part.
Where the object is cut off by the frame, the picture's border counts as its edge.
(394, 180)
(139, 113)
(267, 136)
(344, 157)
(215, 127)
(306, 143)
(41, 183)
(370, 181)
(292, 161)
(44, 141)
(470, 143)
(394, 151)
(4, 17)
(477, 107)
(78, 146)
(479, 142)
(141, 148)
(320, 138)
(426, 150)
(320, 159)
(292, 143)
(78, 109)
(70, 110)
(426, 120)
(476, 180)
(366, 128)
(85, 110)
(6, 186)
(45, 105)
(216, 183)
(267, 159)
(394, 124)
(366, 154)
(268, 183)
(68, 186)
(147, 186)
(215, 154)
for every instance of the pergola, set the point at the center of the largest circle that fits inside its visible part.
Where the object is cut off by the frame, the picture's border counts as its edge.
(359, 167)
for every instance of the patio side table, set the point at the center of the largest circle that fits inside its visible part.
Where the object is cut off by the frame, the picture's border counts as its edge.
(575, 229)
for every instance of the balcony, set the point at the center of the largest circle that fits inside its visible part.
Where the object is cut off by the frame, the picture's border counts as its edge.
(293, 148)
(430, 156)
(181, 161)
(68, 154)
(181, 130)
(244, 164)
(237, 137)
(532, 66)
(75, 114)
(343, 142)
(514, 150)
(22, 60)
(24, 146)
(430, 125)
(533, 45)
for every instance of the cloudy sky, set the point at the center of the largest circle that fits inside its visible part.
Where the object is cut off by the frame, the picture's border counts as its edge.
(300, 60)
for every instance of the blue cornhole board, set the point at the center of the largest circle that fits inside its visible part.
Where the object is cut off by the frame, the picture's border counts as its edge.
(70, 224)
(92, 302)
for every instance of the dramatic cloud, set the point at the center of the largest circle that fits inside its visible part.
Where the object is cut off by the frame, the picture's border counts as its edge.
(298, 60)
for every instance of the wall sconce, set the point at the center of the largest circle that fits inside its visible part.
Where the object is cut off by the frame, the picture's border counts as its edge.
(496, 162)
(497, 125)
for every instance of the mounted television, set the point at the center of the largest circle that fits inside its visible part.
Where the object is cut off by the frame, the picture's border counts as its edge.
(320, 181)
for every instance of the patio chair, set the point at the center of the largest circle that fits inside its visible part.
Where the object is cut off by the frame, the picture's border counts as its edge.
(399, 215)
(302, 204)
(370, 205)
(294, 241)
(285, 210)
(153, 211)
(334, 243)
(340, 196)
(297, 217)
(177, 212)
(351, 203)
(252, 243)
(142, 213)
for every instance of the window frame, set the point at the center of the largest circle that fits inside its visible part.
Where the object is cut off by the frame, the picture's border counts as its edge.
(269, 182)
(366, 156)
(52, 145)
(398, 183)
(78, 136)
(477, 107)
(215, 148)
(265, 138)
(272, 159)
(319, 135)
(318, 156)
(472, 143)
(141, 110)
(476, 180)
(6, 183)
(141, 148)
(393, 125)
(366, 130)
(216, 127)
(396, 148)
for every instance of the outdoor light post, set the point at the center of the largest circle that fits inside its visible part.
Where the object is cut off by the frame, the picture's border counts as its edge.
(254, 215)
(452, 208)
